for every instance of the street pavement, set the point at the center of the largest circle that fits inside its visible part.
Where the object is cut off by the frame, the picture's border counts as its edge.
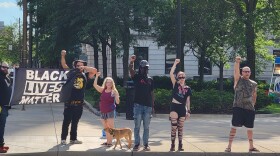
(37, 130)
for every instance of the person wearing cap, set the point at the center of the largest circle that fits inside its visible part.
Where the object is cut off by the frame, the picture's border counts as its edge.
(6, 90)
(73, 107)
(143, 101)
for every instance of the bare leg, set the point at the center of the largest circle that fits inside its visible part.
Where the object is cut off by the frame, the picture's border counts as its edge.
(230, 140)
(174, 127)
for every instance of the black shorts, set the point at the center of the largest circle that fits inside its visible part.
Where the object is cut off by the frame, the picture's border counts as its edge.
(180, 109)
(243, 117)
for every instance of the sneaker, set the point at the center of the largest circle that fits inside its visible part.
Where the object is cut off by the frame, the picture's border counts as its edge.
(146, 148)
(63, 142)
(75, 142)
(3, 150)
(136, 148)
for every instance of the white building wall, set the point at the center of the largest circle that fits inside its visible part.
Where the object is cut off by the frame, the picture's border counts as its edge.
(156, 59)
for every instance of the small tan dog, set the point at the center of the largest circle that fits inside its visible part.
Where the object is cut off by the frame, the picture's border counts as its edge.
(119, 133)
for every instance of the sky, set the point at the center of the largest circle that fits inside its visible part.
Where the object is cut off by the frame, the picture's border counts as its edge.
(10, 12)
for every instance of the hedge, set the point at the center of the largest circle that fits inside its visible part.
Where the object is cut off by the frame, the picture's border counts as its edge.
(204, 100)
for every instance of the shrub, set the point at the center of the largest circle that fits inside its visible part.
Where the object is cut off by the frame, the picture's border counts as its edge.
(211, 101)
(162, 82)
(204, 101)
(162, 100)
(263, 100)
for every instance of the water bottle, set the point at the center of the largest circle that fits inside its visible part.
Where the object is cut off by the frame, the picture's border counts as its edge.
(103, 134)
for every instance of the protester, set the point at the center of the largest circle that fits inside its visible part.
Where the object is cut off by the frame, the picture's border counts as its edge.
(6, 89)
(143, 101)
(180, 105)
(243, 105)
(73, 107)
(108, 100)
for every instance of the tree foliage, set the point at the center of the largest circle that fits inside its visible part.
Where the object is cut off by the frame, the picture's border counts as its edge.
(9, 38)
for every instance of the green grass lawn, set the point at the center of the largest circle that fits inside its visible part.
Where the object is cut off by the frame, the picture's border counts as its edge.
(271, 109)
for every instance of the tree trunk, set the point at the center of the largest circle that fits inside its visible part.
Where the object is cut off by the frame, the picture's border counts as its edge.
(125, 43)
(250, 47)
(104, 57)
(114, 58)
(221, 76)
(182, 59)
(201, 64)
(95, 52)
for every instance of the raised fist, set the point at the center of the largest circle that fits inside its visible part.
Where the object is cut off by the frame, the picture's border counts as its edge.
(63, 52)
(237, 59)
(177, 61)
(98, 73)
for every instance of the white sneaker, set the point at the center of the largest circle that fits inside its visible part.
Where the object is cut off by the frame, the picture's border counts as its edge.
(63, 142)
(75, 142)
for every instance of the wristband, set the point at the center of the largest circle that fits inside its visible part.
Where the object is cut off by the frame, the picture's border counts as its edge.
(189, 111)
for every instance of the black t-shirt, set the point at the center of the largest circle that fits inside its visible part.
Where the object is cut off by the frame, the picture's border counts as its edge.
(78, 86)
(143, 90)
(180, 93)
(5, 89)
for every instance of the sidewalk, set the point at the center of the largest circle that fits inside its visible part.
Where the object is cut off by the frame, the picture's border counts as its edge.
(36, 131)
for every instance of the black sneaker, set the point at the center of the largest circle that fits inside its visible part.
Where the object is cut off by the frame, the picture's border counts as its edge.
(147, 148)
(136, 148)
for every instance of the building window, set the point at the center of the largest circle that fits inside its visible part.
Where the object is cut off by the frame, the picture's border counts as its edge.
(170, 56)
(141, 53)
(207, 70)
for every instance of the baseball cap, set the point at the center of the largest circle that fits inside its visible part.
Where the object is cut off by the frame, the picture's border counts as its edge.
(144, 63)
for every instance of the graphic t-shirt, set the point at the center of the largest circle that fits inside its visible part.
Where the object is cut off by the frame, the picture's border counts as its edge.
(78, 87)
(180, 93)
(143, 89)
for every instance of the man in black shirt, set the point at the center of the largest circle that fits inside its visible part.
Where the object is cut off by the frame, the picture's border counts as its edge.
(74, 105)
(6, 89)
(143, 101)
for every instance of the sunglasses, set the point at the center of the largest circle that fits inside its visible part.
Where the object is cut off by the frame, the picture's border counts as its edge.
(246, 71)
(5, 67)
(181, 78)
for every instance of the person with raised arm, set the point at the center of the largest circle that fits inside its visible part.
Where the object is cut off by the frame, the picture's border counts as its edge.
(143, 101)
(180, 105)
(108, 100)
(73, 106)
(245, 96)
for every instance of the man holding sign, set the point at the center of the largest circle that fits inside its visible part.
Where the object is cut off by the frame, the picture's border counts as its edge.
(75, 89)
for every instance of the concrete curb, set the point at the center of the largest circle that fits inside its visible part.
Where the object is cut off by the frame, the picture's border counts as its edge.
(118, 153)
(91, 109)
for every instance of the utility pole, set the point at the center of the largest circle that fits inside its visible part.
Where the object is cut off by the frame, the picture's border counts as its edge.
(20, 41)
(179, 33)
(30, 37)
(24, 32)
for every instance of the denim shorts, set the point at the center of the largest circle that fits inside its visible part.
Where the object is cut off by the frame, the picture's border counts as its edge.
(107, 115)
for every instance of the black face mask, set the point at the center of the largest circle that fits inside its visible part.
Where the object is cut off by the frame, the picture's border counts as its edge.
(143, 70)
